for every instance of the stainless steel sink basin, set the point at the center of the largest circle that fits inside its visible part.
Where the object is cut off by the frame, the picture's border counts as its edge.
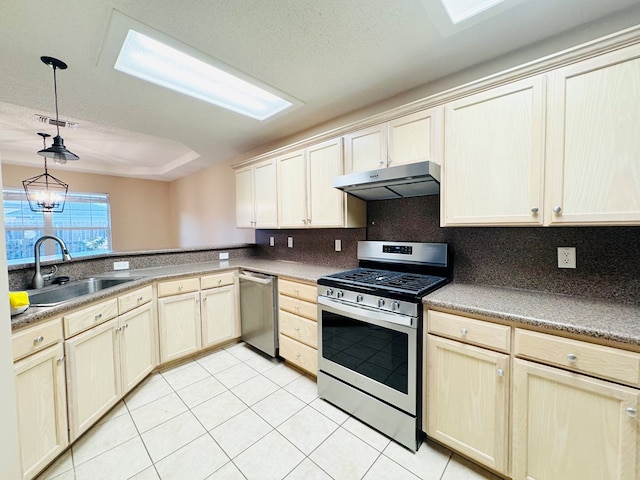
(57, 294)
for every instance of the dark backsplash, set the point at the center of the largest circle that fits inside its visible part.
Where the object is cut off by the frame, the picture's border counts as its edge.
(608, 258)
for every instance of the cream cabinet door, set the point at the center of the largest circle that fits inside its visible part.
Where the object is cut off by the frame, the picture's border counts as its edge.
(42, 408)
(93, 375)
(265, 194)
(326, 204)
(292, 194)
(220, 319)
(570, 426)
(493, 157)
(244, 198)
(416, 137)
(179, 326)
(594, 145)
(466, 400)
(138, 345)
(366, 149)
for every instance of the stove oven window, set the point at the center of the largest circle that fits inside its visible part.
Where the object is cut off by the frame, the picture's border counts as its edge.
(376, 352)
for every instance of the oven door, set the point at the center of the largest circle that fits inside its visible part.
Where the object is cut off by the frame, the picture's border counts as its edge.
(373, 351)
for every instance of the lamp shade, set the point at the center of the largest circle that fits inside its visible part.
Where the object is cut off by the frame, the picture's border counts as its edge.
(45, 193)
(58, 151)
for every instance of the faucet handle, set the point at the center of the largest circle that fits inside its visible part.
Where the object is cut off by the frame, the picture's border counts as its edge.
(48, 276)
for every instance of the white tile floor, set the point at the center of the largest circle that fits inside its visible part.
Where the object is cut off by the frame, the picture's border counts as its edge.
(235, 414)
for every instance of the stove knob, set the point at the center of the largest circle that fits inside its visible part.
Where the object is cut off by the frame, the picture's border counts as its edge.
(395, 306)
(329, 292)
(359, 298)
(381, 302)
(340, 294)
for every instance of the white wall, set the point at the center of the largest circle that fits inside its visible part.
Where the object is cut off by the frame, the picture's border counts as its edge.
(204, 206)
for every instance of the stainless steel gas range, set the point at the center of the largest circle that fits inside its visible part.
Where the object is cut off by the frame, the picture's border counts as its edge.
(370, 326)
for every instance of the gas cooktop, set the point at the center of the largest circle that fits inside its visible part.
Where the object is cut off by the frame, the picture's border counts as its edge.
(384, 280)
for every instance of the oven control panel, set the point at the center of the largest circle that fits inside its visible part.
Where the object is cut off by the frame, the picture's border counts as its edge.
(375, 302)
(401, 249)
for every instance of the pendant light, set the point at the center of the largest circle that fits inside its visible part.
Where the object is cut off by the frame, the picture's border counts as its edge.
(57, 151)
(45, 192)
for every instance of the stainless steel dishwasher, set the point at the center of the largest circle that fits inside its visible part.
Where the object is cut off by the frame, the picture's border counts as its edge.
(258, 311)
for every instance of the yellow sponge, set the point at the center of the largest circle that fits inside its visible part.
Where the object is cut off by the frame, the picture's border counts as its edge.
(18, 299)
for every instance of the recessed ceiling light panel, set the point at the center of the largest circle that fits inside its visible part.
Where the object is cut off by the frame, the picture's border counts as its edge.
(149, 59)
(460, 10)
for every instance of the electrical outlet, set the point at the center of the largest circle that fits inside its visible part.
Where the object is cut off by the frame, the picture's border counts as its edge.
(290, 242)
(338, 245)
(272, 241)
(121, 265)
(223, 256)
(566, 257)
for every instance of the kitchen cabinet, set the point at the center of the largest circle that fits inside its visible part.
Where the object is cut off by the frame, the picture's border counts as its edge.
(257, 195)
(593, 143)
(492, 171)
(179, 321)
(39, 366)
(106, 361)
(408, 139)
(567, 424)
(219, 309)
(466, 387)
(297, 324)
(306, 197)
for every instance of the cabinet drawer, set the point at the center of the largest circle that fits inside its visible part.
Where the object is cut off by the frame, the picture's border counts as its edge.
(88, 317)
(598, 360)
(299, 354)
(299, 307)
(131, 300)
(298, 328)
(176, 287)
(36, 338)
(302, 291)
(217, 280)
(469, 330)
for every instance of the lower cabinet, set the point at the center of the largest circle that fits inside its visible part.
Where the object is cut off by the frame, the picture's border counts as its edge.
(220, 319)
(105, 362)
(297, 324)
(42, 408)
(179, 326)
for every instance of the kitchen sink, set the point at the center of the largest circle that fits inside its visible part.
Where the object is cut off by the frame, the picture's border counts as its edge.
(57, 294)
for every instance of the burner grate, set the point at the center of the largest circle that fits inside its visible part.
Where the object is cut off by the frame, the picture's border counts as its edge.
(383, 279)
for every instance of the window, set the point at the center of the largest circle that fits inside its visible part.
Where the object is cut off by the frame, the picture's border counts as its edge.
(84, 226)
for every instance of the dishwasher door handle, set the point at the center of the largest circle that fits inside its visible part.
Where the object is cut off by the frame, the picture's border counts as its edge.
(263, 281)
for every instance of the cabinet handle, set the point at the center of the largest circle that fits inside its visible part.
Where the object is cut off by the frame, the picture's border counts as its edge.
(304, 220)
(632, 412)
(297, 355)
(139, 299)
(97, 317)
(534, 210)
(219, 282)
(381, 164)
(557, 209)
(500, 372)
(309, 221)
(38, 340)
(61, 359)
(463, 332)
(126, 325)
(118, 329)
(572, 357)
(179, 288)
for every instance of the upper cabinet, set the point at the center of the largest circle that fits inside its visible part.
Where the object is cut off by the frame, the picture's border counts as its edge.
(593, 159)
(307, 197)
(412, 138)
(256, 196)
(494, 156)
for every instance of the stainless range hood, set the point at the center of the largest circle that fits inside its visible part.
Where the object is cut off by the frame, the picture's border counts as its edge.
(410, 180)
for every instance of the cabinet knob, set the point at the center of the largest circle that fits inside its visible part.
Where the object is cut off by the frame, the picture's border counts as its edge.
(572, 357)
(139, 299)
(97, 317)
(500, 372)
(38, 340)
(632, 412)
(381, 164)
(220, 282)
(118, 329)
(557, 209)
(534, 210)
(304, 220)
(60, 359)
(179, 288)
(463, 331)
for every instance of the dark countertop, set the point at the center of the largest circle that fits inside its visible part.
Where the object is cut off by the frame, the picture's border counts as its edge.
(599, 319)
(146, 276)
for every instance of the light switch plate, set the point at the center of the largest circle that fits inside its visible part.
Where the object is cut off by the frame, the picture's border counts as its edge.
(272, 241)
(121, 265)
(290, 242)
(223, 256)
(338, 245)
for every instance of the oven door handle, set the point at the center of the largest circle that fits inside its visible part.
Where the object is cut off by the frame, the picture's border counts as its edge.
(367, 315)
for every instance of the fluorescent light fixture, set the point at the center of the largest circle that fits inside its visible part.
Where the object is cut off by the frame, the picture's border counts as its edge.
(460, 10)
(148, 59)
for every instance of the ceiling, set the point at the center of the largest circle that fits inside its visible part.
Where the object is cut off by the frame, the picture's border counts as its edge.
(334, 56)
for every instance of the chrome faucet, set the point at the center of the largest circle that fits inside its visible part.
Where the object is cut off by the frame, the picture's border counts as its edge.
(38, 280)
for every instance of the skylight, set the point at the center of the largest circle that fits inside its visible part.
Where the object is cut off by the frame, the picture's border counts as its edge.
(148, 59)
(460, 10)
